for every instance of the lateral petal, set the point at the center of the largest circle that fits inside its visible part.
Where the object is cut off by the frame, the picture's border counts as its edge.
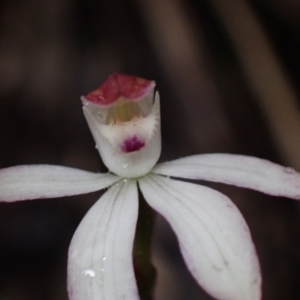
(47, 181)
(243, 171)
(100, 263)
(213, 237)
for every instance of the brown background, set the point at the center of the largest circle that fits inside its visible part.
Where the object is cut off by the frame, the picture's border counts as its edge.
(52, 52)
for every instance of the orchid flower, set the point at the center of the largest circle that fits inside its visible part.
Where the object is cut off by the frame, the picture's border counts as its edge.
(124, 118)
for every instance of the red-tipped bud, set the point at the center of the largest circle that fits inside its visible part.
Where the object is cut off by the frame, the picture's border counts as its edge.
(120, 86)
(125, 123)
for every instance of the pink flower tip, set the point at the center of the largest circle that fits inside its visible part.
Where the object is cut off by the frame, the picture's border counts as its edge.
(118, 85)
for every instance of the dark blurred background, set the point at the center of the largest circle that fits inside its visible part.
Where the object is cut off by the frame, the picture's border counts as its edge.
(228, 73)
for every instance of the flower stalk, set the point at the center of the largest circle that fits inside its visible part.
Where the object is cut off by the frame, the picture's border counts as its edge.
(144, 270)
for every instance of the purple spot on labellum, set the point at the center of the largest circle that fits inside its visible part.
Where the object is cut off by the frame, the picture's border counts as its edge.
(132, 144)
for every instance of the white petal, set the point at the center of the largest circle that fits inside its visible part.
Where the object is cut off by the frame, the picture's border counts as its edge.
(243, 171)
(46, 181)
(100, 257)
(110, 137)
(213, 236)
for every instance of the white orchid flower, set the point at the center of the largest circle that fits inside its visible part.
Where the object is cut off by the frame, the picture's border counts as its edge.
(213, 236)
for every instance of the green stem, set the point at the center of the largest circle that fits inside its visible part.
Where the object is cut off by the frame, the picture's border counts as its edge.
(144, 270)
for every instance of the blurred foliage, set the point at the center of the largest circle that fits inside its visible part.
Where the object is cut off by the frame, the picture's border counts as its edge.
(51, 52)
